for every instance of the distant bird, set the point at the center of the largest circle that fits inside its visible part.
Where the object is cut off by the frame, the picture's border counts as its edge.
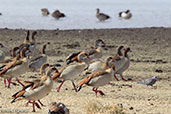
(45, 11)
(57, 14)
(0, 13)
(125, 14)
(101, 16)
(149, 82)
(60, 108)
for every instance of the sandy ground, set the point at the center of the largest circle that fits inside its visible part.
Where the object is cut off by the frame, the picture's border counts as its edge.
(151, 51)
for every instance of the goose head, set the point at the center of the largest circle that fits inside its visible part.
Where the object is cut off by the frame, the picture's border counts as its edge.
(99, 43)
(15, 52)
(43, 49)
(126, 51)
(33, 37)
(120, 50)
(98, 10)
(127, 11)
(108, 61)
(27, 37)
(23, 54)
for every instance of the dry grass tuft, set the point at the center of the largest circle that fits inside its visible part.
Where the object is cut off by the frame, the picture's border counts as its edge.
(99, 108)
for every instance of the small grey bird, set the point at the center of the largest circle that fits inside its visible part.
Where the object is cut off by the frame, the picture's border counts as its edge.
(149, 82)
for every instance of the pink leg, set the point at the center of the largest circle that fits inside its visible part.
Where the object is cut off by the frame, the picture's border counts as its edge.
(41, 103)
(101, 93)
(74, 86)
(5, 82)
(9, 82)
(123, 78)
(33, 106)
(20, 82)
(95, 90)
(28, 102)
(60, 86)
(115, 77)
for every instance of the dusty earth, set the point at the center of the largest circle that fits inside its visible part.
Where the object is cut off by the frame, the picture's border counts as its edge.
(151, 52)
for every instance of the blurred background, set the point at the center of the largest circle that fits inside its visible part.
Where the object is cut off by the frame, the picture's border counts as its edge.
(81, 14)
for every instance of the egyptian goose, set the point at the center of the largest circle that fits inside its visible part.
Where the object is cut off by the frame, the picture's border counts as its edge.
(100, 78)
(72, 71)
(38, 61)
(101, 16)
(119, 60)
(100, 65)
(36, 90)
(18, 66)
(33, 42)
(95, 53)
(125, 14)
(57, 14)
(126, 64)
(45, 11)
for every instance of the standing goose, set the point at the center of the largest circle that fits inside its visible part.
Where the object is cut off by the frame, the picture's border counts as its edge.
(15, 68)
(95, 53)
(125, 14)
(36, 90)
(126, 65)
(72, 72)
(101, 16)
(100, 78)
(119, 60)
(37, 62)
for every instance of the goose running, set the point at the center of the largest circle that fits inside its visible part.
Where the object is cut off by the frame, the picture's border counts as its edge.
(72, 71)
(15, 68)
(98, 79)
(36, 90)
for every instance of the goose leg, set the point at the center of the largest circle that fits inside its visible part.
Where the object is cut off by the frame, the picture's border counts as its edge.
(33, 106)
(115, 77)
(9, 82)
(41, 103)
(74, 86)
(95, 90)
(60, 86)
(123, 78)
(5, 82)
(101, 93)
(20, 82)
(28, 102)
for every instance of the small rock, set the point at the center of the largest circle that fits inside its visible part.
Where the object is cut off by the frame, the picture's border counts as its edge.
(32, 77)
(158, 70)
(57, 108)
(60, 60)
(57, 65)
(129, 79)
(131, 108)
